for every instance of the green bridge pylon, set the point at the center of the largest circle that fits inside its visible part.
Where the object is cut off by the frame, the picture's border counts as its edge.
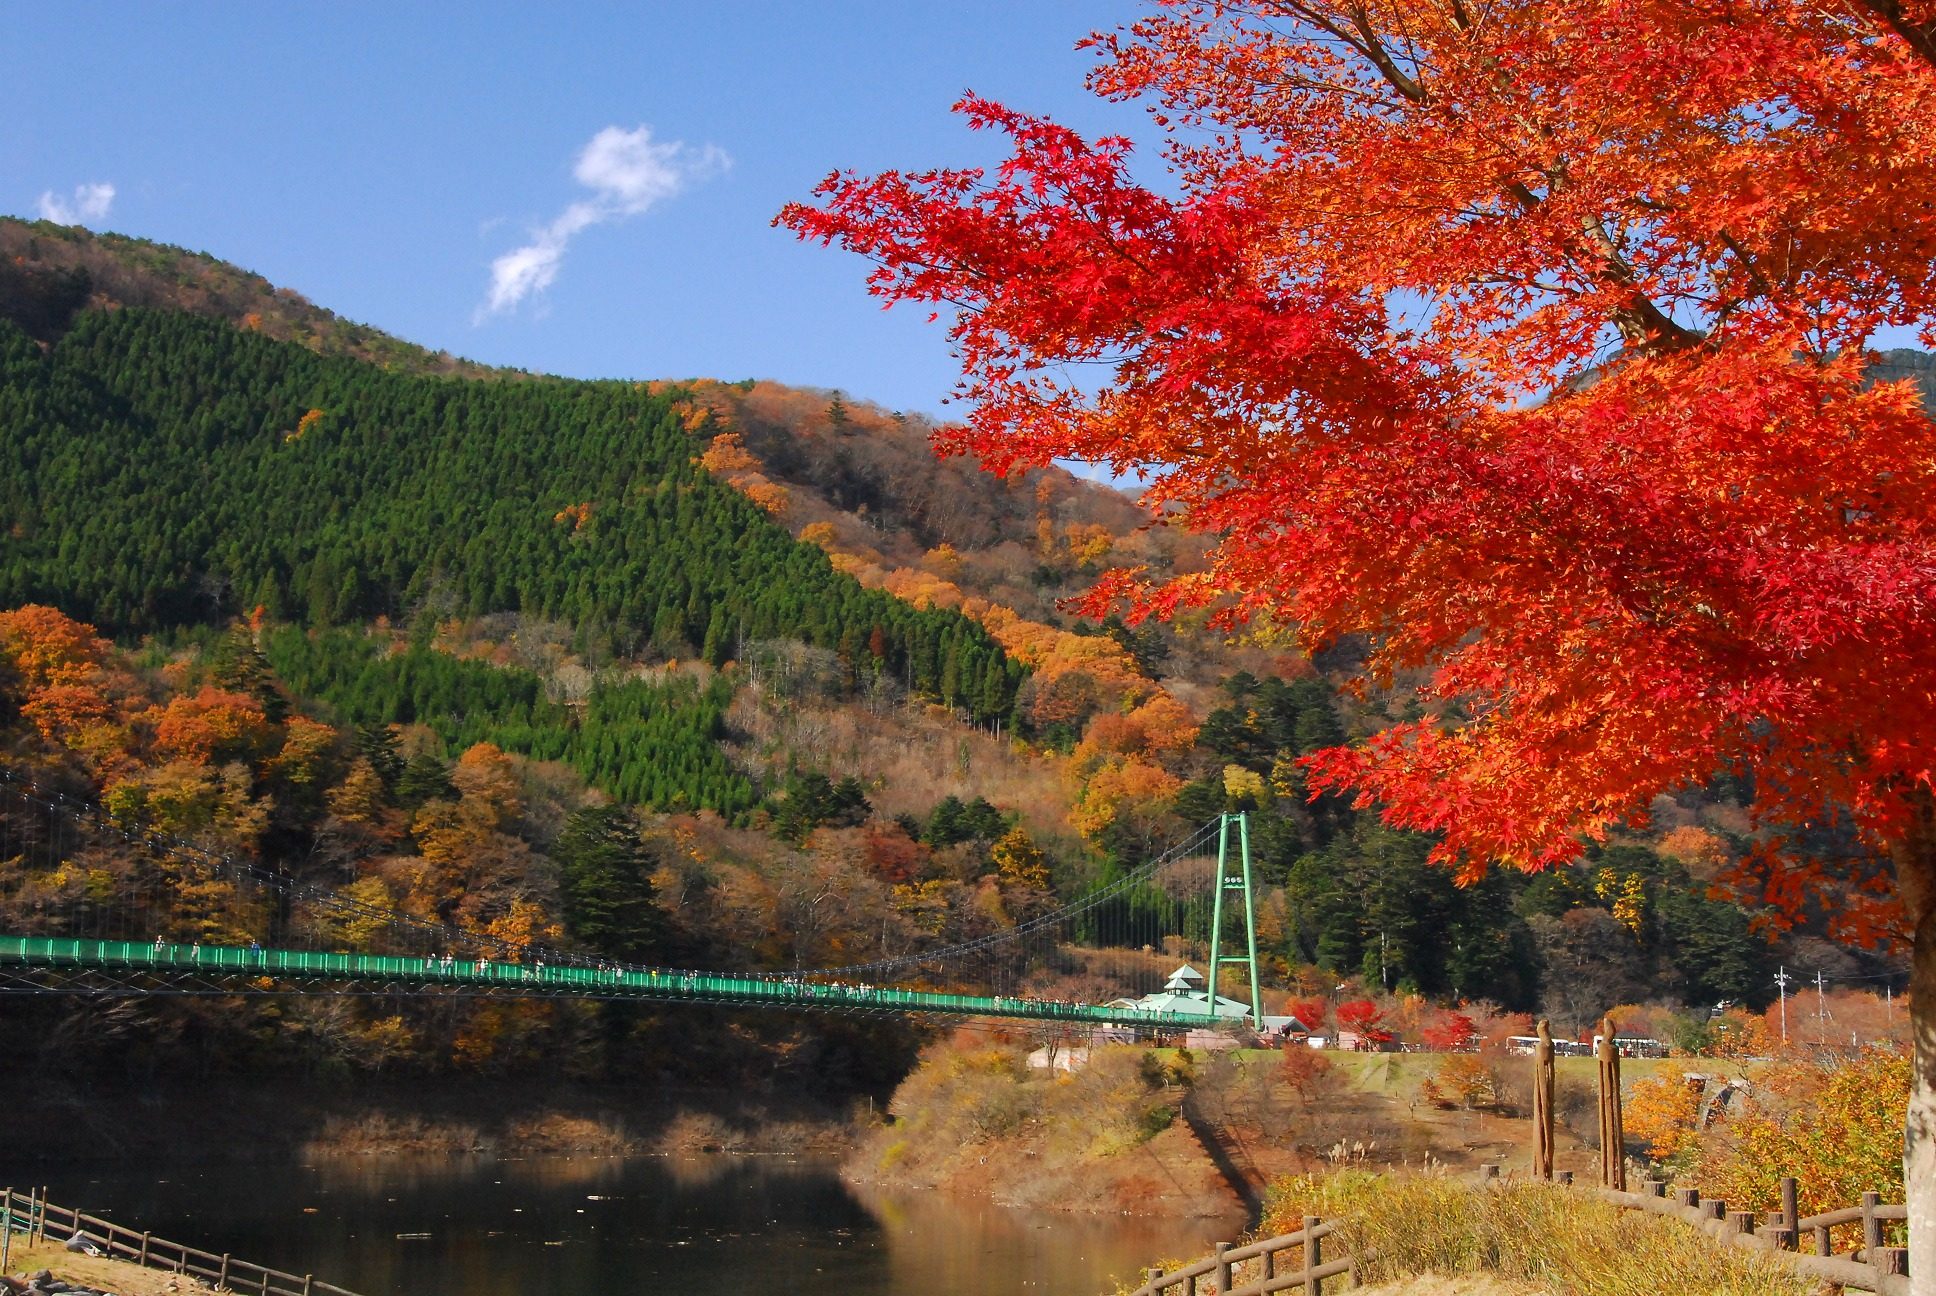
(1235, 883)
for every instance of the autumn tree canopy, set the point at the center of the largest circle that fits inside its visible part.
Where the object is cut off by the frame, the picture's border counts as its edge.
(1525, 340)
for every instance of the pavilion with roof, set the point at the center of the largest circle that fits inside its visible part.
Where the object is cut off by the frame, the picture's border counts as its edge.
(1187, 992)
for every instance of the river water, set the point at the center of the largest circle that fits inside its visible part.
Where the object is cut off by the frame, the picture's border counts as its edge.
(591, 1225)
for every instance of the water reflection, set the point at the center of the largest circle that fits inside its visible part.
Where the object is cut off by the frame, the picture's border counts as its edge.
(490, 1227)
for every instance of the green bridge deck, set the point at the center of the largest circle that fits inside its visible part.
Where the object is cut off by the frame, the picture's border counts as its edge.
(569, 979)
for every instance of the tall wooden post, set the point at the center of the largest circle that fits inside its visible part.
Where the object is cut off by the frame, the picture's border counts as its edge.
(1613, 1130)
(1543, 1103)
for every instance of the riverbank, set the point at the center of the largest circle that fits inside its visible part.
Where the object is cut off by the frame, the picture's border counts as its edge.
(1128, 1129)
(47, 1118)
(94, 1273)
(1107, 1137)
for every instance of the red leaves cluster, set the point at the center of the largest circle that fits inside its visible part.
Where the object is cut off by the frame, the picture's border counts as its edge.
(1526, 343)
(1450, 1030)
(1364, 1018)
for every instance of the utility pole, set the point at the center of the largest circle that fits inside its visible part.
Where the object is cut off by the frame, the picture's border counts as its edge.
(1781, 988)
(1821, 1011)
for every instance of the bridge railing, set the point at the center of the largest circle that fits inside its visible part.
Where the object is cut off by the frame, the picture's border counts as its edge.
(582, 979)
(1259, 1268)
(30, 1213)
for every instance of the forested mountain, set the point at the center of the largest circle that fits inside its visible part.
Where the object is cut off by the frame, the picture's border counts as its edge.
(659, 668)
(161, 469)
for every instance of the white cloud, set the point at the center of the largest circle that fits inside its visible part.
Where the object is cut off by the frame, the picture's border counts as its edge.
(91, 203)
(628, 173)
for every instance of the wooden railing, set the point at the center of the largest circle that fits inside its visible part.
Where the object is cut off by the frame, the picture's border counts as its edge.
(1228, 1270)
(32, 1214)
(1871, 1267)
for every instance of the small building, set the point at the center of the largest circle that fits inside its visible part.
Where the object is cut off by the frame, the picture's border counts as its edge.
(1355, 1042)
(1279, 1032)
(1185, 993)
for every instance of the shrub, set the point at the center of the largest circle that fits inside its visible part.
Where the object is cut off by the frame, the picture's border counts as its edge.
(1306, 1072)
(1664, 1114)
(1835, 1123)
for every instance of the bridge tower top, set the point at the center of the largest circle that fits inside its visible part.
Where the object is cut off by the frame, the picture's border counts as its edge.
(1231, 886)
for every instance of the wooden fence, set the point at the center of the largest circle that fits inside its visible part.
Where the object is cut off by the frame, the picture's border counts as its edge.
(1230, 1271)
(31, 1213)
(1870, 1267)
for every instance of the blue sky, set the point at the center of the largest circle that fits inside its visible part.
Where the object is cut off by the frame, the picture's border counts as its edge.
(379, 158)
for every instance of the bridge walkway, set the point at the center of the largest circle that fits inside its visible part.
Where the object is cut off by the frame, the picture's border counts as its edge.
(581, 980)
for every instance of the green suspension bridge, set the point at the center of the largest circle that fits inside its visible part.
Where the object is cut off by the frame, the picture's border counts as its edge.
(112, 937)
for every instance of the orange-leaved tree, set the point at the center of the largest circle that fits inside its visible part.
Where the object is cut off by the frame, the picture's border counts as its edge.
(1529, 341)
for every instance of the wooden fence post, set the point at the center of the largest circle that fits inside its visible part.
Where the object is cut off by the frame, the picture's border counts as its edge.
(6, 1228)
(1543, 1103)
(1154, 1276)
(1223, 1268)
(223, 1279)
(1871, 1226)
(1613, 1131)
(145, 1239)
(1313, 1257)
(1791, 1210)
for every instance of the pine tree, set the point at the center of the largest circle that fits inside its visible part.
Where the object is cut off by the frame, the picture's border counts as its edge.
(606, 880)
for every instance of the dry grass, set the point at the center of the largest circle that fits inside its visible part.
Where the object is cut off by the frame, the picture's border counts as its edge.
(380, 1133)
(1549, 1238)
(1461, 1285)
(117, 1276)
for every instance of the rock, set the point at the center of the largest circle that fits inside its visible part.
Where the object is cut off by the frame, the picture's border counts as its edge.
(41, 1277)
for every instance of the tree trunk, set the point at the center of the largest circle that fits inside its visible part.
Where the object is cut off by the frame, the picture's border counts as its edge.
(1915, 857)
(1543, 1103)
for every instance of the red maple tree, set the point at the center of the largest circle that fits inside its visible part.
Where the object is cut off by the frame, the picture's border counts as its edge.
(1310, 1013)
(1527, 340)
(1364, 1018)
(1450, 1031)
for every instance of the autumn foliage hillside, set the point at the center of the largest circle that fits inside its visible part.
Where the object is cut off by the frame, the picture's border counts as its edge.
(49, 273)
(829, 683)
